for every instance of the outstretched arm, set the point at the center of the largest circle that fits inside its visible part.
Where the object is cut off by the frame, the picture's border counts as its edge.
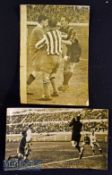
(40, 43)
(67, 42)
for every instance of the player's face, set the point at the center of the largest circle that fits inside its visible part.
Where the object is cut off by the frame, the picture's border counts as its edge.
(45, 23)
(63, 22)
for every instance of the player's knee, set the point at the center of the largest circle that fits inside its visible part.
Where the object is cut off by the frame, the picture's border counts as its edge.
(20, 156)
(68, 71)
(81, 149)
(46, 78)
(71, 69)
(92, 147)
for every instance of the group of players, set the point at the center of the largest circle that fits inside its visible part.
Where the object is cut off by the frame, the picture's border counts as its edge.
(24, 148)
(49, 44)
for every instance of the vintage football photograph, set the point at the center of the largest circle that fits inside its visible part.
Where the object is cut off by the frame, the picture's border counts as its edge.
(54, 54)
(57, 138)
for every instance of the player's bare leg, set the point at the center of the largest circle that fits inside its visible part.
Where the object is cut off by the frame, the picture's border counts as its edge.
(66, 77)
(81, 150)
(46, 95)
(28, 147)
(46, 88)
(93, 148)
(53, 83)
(98, 146)
(68, 72)
(27, 153)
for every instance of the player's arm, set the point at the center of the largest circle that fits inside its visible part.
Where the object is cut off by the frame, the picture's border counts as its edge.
(64, 36)
(41, 43)
(67, 42)
(65, 39)
(71, 123)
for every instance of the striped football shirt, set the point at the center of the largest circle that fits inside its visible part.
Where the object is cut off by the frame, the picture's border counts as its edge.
(53, 40)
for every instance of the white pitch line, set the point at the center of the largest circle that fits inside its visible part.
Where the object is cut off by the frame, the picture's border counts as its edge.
(61, 161)
(38, 150)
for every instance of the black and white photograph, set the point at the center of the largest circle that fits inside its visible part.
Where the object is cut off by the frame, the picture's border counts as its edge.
(58, 137)
(55, 87)
(54, 49)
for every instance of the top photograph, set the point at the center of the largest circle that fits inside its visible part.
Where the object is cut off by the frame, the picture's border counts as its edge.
(54, 49)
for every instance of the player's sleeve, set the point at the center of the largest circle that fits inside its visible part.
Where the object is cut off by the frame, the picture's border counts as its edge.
(41, 43)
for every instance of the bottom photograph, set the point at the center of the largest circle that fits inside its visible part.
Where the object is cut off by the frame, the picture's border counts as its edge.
(45, 138)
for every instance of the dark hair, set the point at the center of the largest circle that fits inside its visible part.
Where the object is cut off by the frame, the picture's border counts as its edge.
(41, 18)
(30, 125)
(52, 22)
(78, 117)
(23, 132)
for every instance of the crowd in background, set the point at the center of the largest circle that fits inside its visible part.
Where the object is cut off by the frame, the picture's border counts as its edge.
(58, 121)
(57, 127)
(75, 14)
(56, 116)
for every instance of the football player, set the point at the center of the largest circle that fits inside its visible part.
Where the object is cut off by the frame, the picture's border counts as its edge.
(22, 151)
